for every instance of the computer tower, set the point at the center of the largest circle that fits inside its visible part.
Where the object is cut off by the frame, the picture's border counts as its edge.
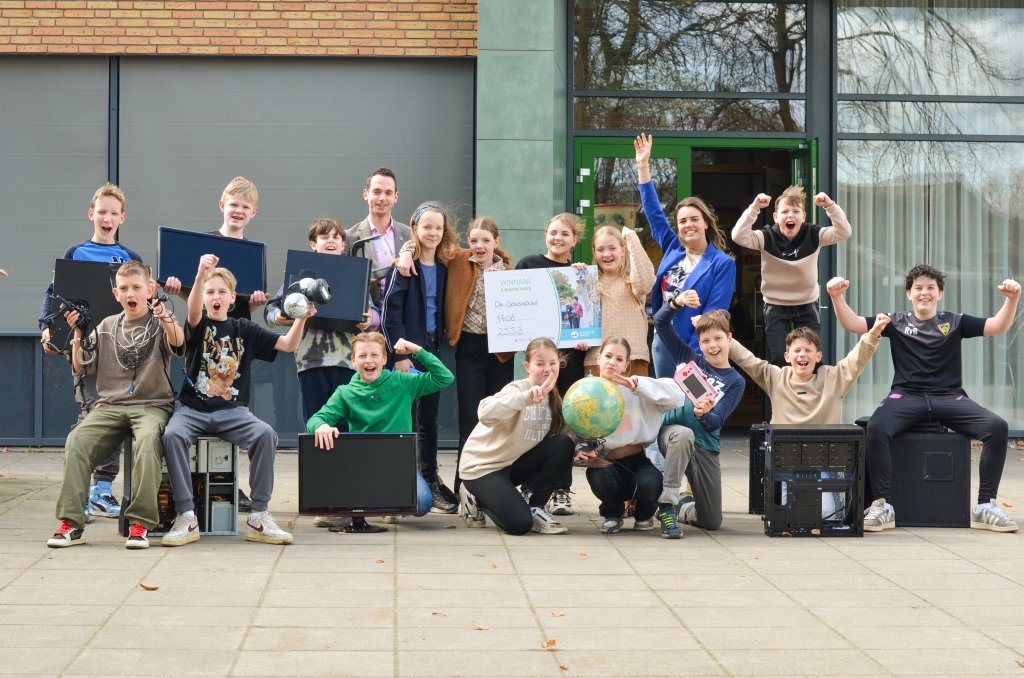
(758, 443)
(931, 479)
(812, 481)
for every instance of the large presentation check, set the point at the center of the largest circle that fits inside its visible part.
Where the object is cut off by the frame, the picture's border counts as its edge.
(562, 304)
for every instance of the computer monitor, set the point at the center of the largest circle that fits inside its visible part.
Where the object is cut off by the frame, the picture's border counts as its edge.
(178, 253)
(89, 283)
(349, 278)
(365, 474)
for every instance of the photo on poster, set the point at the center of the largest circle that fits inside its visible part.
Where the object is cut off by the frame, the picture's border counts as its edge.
(562, 304)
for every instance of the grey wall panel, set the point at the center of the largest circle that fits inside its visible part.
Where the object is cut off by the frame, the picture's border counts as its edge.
(53, 156)
(307, 132)
(17, 388)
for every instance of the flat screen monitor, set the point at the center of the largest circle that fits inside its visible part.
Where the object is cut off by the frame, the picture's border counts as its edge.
(349, 278)
(365, 474)
(178, 253)
(89, 283)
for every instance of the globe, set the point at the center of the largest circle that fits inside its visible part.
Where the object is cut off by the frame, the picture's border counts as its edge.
(593, 408)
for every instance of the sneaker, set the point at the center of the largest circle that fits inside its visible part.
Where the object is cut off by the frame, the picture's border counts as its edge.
(668, 517)
(643, 525)
(243, 500)
(543, 523)
(686, 509)
(611, 524)
(89, 518)
(184, 530)
(991, 517)
(439, 501)
(879, 516)
(392, 520)
(261, 527)
(137, 537)
(471, 514)
(560, 504)
(102, 501)
(66, 535)
(330, 521)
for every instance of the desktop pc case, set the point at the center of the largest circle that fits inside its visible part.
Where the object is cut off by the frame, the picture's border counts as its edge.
(812, 482)
(365, 474)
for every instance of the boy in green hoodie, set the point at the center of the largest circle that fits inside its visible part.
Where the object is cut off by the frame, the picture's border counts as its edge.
(377, 400)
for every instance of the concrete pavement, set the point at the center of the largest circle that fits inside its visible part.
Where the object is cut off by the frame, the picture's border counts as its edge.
(433, 598)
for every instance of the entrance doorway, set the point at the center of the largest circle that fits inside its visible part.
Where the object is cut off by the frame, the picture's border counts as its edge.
(727, 174)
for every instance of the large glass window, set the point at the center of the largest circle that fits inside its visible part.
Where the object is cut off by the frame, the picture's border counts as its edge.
(650, 57)
(957, 206)
(929, 47)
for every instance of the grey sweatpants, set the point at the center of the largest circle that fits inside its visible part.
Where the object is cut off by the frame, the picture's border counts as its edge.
(702, 468)
(236, 425)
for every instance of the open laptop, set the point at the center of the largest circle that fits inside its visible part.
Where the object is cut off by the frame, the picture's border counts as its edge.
(365, 474)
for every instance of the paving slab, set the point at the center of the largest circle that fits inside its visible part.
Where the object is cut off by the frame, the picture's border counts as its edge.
(431, 597)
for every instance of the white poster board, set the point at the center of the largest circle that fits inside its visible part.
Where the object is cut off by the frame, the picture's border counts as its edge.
(562, 304)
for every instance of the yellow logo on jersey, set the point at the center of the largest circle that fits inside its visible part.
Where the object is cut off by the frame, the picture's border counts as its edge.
(944, 328)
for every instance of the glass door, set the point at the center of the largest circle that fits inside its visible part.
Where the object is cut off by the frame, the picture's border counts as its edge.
(726, 173)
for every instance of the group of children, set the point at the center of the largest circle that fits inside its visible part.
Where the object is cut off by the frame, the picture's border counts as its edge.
(515, 452)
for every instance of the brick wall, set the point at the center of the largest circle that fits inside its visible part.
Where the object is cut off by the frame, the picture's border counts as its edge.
(367, 28)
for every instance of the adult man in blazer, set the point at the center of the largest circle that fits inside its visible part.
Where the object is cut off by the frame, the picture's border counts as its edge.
(381, 194)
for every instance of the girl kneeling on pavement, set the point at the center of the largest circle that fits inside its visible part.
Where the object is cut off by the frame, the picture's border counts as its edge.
(619, 471)
(519, 439)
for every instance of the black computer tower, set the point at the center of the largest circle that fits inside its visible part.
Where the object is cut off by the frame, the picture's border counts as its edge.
(812, 481)
(755, 493)
(931, 479)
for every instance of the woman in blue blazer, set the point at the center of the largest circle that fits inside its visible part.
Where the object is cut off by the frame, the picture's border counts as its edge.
(695, 259)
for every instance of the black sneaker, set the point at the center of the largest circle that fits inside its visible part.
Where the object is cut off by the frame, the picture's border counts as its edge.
(243, 500)
(439, 502)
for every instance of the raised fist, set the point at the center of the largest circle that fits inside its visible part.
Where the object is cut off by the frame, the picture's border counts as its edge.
(761, 201)
(822, 200)
(837, 286)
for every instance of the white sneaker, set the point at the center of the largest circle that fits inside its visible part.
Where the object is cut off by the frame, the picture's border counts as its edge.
(391, 520)
(879, 516)
(261, 527)
(560, 503)
(543, 523)
(611, 524)
(991, 517)
(330, 521)
(471, 514)
(643, 525)
(185, 530)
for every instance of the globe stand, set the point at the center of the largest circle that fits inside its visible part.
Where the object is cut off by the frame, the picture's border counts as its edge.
(593, 445)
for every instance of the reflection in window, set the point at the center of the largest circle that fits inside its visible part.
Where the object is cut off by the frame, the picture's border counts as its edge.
(927, 117)
(617, 198)
(956, 206)
(930, 47)
(689, 46)
(734, 115)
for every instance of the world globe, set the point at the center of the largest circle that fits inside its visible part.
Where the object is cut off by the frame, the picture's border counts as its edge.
(593, 408)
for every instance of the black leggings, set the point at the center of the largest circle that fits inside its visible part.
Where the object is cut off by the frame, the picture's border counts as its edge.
(779, 321)
(899, 411)
(478, 374)
(542, 467)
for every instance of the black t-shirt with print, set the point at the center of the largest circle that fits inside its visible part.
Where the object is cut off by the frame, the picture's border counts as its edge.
(926, 354)
(218, 356)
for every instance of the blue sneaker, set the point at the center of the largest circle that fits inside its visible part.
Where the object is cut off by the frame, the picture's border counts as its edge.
(102, 501)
